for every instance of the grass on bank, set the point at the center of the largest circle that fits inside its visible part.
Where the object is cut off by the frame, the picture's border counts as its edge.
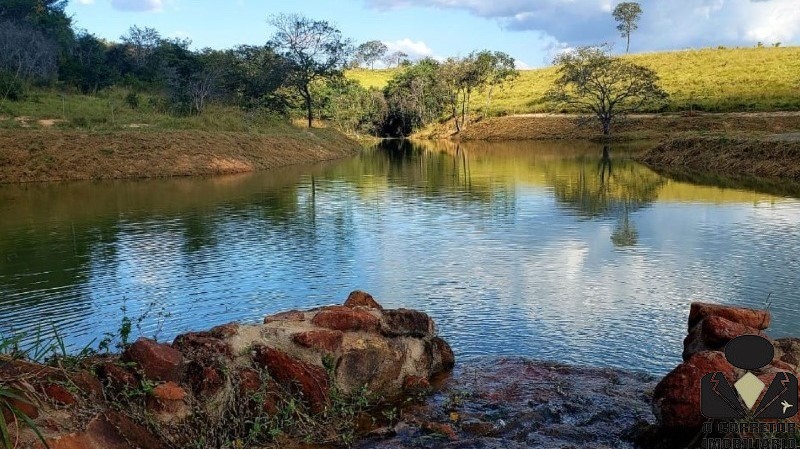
(712, 80)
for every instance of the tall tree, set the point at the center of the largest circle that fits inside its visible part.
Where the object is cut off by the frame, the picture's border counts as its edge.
(371, 52)
(142, 43)
(591, 80)
(314, 50)
(500, 68)
(628, 15)
(395, 58)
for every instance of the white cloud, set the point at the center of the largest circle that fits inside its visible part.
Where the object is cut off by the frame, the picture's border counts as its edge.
(85, 2)
(665, 23)
(138, 5)
(414, 49)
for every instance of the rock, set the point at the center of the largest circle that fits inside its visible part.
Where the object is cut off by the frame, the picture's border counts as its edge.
(443, 357)
(157, 361)
(362, 299)
(478, 427)
(676, 399)
(138, 436)
(205, 346)
(27, 408)
(416, 385)
(88, 384)
(374, 363)
(758, 319)
(788, 350)
(116, 377)
(346, 319)
(99, 434)
(718, 331)
(309, 380)
(323, 340)
(443, 429)
(406, 323)
(205, 380)
(249, 380)
(58, 394)
(292, 315)
(168, 402)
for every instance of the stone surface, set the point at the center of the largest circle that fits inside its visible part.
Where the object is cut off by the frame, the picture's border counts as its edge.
(207, 346)
(362, 299)
(292, 315)
(168, 402)
(116, 377)
(59, 394)
(324, 340)
(99, 434)
(718, 331)
(308, 380)
(443, 356)
(157, 361)
(788, 351)
(758, 319)
(135, 434)
(346, 319)
(406, 323)
(676, 399)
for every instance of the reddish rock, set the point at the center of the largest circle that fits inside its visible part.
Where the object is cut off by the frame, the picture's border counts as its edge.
(718, 331)
(205, 380)
(406, 323)
(224, 331)
(478, 427)
(58, 394)
(249, 380)
(205, 346)
(788, 350)
(116, 376)
(443, 357)
(168, 399)
(157, 361)
(137, 435)
(346, 319)
(415, 385)
(99, 434)
(758, 319)
(324, 340)
(27, 408)
(676, 399)
(292, 315)
(694, 343)
(88, 384)
(443, 429)
(362, 299)
(309, 380)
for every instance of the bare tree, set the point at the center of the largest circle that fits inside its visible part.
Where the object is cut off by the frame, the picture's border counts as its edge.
(591, 80)
(25, 54)
(142, 43)
(395, 58)
(314, 50)
(628, 15)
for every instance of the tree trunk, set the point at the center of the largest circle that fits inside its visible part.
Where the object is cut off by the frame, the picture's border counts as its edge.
(628, 35)
(309, 109)
(606, 125)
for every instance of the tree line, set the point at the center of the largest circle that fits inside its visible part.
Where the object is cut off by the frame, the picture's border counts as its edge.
(299, 70)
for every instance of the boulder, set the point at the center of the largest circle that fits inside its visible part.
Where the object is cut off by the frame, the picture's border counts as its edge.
(406, 323)
(156, 361)
(323, 340)
(308, 380)
(58, 394)
(362, 299)
(758, 319)
(346, 319)
(168, 402)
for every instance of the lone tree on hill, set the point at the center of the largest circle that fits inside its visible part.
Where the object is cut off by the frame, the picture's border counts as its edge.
(314, 50)
(371, 52)
(628, 15)
(591, 80)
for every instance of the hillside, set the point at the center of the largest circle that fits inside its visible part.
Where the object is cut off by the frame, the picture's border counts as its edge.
(712, 80)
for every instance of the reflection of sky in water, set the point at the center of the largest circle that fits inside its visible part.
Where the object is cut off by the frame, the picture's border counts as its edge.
(512, 261)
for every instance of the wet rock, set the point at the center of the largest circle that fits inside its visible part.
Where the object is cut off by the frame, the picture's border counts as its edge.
(292, 315)
(406, 323)
(157, 361)
(362, 299)
(442, 429)
(323, 340)
(443, 357)
(758, 319)
(346, 319)
(676, 399)
(308, 380)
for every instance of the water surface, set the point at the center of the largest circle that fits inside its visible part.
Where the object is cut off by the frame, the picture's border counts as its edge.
(547, 250)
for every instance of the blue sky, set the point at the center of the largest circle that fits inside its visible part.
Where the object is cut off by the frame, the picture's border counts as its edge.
(530, 30)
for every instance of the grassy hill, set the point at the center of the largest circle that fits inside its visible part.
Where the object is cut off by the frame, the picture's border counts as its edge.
(713, 80)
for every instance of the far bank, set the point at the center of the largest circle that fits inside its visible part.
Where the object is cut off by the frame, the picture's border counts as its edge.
(34, 155)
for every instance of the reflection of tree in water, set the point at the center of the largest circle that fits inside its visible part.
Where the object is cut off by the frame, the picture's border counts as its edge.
(605, 190)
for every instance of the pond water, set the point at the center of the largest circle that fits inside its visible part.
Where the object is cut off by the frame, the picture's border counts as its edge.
(546, 250)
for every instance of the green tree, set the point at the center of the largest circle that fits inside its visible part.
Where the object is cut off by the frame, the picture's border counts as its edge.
(628, 15)
(591, 80)
(371, 52)
(314, 51)
(500, 68)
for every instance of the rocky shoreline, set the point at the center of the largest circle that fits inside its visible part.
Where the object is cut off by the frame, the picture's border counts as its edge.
(358, 375)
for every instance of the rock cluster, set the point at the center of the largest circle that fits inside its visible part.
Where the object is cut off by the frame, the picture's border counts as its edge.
(355, 347)
(676, 399)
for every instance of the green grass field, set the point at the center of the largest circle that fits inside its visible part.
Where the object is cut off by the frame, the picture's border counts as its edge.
(713, 80)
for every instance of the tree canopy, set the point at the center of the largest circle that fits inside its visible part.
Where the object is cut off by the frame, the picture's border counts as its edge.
(627, 14)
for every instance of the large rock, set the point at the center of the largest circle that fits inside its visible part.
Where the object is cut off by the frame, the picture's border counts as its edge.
(308, 380)
(758, 319)
(362, 299)
(346, 319)
(157, 361)
(676, 399)
(406, 323)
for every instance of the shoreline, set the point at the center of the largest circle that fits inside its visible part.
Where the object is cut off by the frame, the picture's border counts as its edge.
(68, 155)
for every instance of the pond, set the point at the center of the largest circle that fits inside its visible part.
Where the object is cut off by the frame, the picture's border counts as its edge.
(549, 250)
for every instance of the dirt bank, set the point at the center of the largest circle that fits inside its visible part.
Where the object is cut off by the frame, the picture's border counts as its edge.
(58, 155)
(639, 126)
(765, 157)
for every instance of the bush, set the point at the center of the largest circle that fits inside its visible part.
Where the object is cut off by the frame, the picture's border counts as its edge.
(132, 100)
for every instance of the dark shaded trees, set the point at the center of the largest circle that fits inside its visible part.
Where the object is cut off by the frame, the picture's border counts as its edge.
(627, 14)
(26, 54)
(591, 80)
(314, 50)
